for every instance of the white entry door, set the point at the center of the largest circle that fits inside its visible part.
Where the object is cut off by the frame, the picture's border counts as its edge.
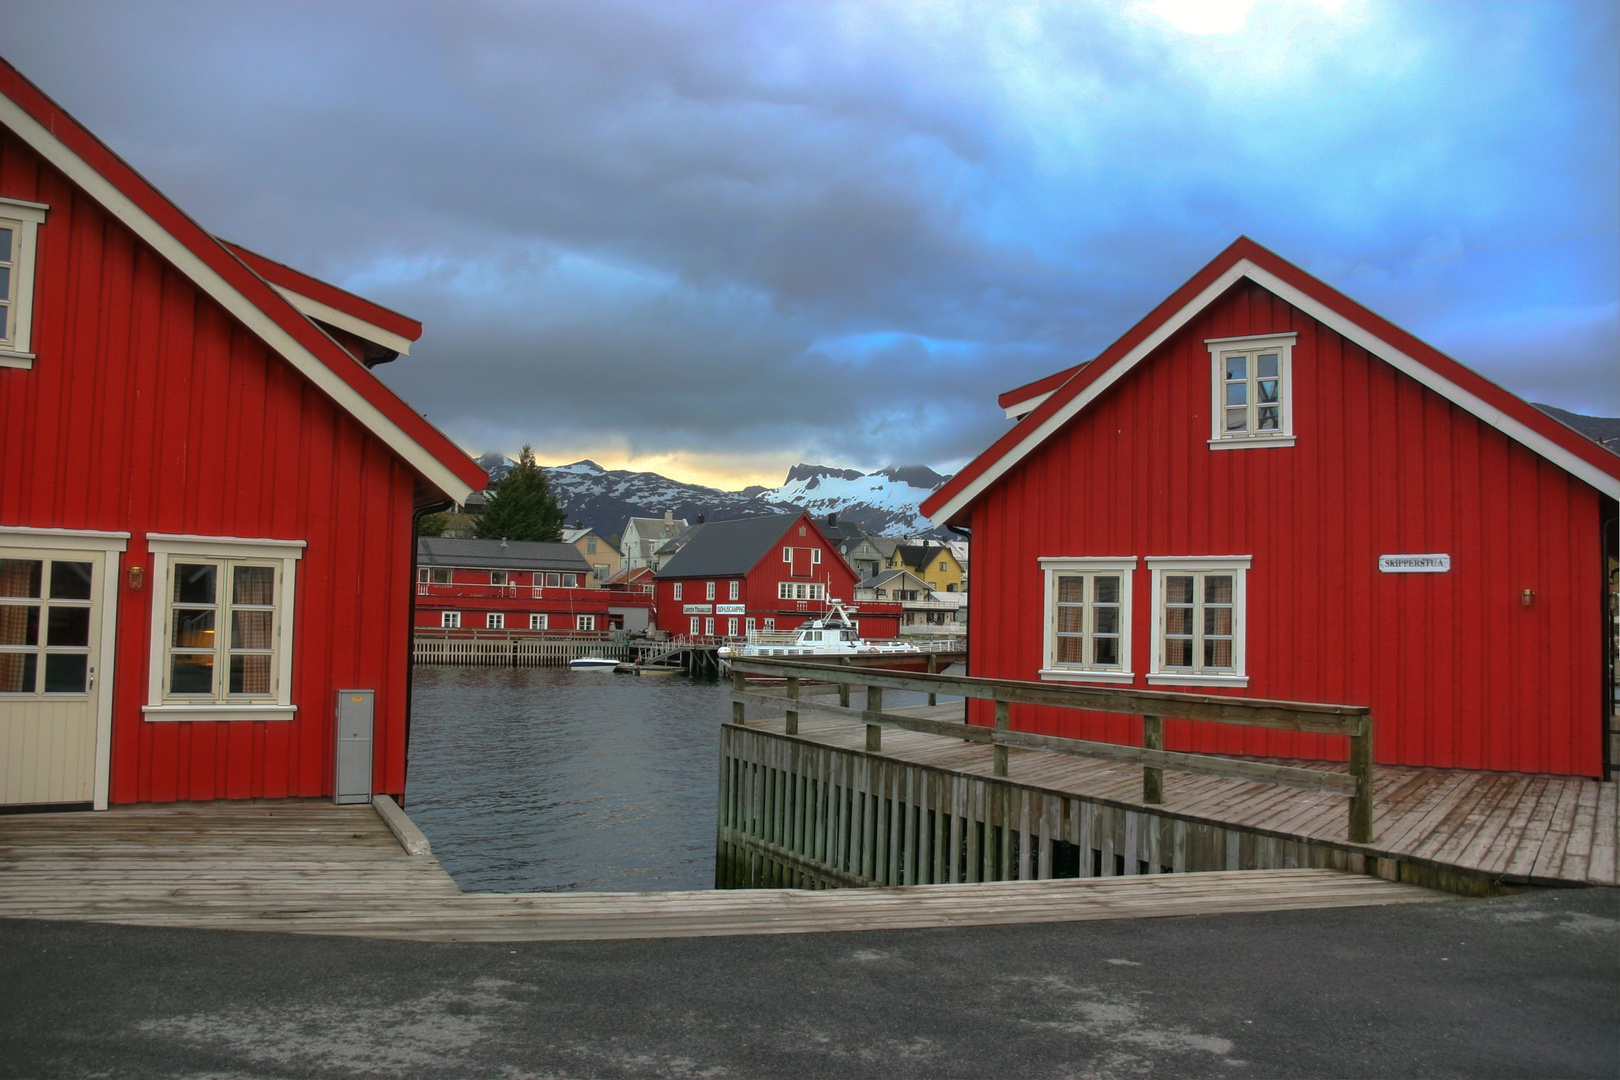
(53, 733)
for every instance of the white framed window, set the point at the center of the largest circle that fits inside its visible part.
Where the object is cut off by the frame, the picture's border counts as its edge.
(1252, 391)
(450, 620)
(499, 577)
(19, 234)
(570, 581)
(708, 627)
(736, 591)
(599, 570)
(694, 625)
(770, 623)
(815, 556)
(1086, 628)
(222, 628)
(749, 625)
(554, 580)
(584, 622)
(433, 575)
(731, 627)
(1199, 620)
(800, 590)
(495, 620)
(537, 622)
(708, 592)
(675, 591)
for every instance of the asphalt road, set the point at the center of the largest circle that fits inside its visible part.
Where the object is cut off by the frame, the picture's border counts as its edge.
(1525, 985)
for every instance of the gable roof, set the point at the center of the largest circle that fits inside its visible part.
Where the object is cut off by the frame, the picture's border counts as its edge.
(882, 578)
(225, 276)
(1244, 258)
(499, 554)
(920, 556)
(728, 548)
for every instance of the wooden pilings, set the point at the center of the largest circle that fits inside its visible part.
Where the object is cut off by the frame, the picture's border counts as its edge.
(797, 814)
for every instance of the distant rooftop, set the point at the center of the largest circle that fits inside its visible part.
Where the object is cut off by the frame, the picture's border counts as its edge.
(499, 554)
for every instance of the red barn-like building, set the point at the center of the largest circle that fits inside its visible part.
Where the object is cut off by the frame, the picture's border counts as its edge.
(206, 498)
(758, 573)
(1265, 489)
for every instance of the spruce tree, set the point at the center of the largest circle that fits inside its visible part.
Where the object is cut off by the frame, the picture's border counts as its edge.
(521, 507)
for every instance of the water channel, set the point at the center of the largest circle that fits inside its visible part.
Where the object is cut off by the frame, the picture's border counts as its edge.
(545, 779)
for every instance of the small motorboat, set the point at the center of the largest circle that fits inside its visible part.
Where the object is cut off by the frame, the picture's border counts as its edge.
(828, 638)
(592, 663)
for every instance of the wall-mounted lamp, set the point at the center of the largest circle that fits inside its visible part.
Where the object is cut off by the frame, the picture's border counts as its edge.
(1527, 597)
(137, 578)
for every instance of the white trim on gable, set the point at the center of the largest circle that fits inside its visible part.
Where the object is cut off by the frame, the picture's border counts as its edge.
(355, 325)
(1531, 439)
(206, 278)
(1028, 405)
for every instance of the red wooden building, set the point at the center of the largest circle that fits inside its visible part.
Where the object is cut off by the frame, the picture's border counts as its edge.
(1265, 489)
(758, 573)
(206, 497)
(517, 587)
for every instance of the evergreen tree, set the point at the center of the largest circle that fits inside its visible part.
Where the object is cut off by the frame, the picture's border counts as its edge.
(521, 507)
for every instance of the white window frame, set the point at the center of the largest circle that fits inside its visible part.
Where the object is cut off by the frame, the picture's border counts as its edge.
(1055, 567)
(708, 592)
(736, 591)
(788, 590)
(675, 591)
(731, 626)
(815, 556)
(500, 577)
(495, 620)
(708, 627)
(1238, 566)
(693, 626)
(770, 622)
(1219, 349)
(449, 620)
(538, 622)
(17, 330)
(570, 581)
(749, 625)
(167, 549)
(585, 622)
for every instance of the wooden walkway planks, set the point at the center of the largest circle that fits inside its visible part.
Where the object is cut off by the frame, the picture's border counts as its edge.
(1511, 826)
(321, 869)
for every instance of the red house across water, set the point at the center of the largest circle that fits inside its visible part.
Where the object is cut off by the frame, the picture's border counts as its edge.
(206, 497)
(759, 573)
(1265, 489)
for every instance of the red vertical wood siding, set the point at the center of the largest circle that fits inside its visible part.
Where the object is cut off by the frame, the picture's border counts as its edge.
(149, 409)
(1458, 672)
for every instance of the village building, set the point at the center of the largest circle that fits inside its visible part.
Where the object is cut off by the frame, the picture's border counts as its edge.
(517, 587)
(1264, 489)
(867, 555)
(924, 612)
(935, 563)
(729, 578)
(602, 556)
(637, 579)
(644, 536)
(207, 499)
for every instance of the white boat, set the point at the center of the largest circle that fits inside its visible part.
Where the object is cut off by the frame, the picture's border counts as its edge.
(830, 636)
(593, 663)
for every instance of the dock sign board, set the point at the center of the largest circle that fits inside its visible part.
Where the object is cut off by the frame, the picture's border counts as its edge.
(697, 609)
(1414, 564)
(730, 609)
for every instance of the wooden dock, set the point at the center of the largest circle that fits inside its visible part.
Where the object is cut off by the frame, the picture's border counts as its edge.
(314, 868)
(1455, 829)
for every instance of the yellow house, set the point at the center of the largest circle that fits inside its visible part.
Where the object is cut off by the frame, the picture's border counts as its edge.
(934, 563)
(603, 556)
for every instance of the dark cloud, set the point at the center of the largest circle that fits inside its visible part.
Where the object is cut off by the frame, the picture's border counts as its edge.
(747, 231)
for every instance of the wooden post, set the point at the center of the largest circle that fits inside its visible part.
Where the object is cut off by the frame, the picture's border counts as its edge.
(793, 714)
(874, 705)
(738, 684)
(1152, 779)
(1003, 721)
(843, 689)
(933, 666)
(1361, 767)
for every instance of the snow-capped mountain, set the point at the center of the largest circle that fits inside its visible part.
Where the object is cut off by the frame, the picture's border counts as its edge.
(883, 502)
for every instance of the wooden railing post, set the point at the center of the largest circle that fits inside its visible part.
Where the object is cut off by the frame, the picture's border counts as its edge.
(1361, 767)
(1152, 779)
(933, 667)
(739, 684)
(874, 705)
(1003, 722)
(792, 727)
(843, 689)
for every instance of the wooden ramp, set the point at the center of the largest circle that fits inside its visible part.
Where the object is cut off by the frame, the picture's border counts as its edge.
(315, 868)
(1509, 827)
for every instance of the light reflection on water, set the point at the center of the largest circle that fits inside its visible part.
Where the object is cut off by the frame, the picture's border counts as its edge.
(546, 779)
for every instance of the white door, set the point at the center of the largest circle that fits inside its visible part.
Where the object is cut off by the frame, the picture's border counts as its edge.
(51, 674)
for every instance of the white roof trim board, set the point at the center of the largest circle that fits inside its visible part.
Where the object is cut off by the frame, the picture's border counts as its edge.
(1028, 405)
(1351, 330)
(360, 328)
(223, 293)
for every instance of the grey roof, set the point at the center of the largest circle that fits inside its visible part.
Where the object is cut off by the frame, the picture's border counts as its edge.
(885, 545)
(499, 555)
(720, 548)
(882, 577)
(653, 528)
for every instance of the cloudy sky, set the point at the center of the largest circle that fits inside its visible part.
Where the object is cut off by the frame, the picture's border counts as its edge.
(713, 239)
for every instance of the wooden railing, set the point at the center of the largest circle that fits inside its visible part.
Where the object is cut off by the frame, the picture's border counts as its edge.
(1153, 706)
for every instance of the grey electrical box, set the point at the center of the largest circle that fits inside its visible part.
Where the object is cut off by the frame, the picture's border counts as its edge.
(353, 783)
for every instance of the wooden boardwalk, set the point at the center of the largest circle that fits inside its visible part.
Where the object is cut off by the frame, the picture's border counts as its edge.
(320, 869)
(1512, 827)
